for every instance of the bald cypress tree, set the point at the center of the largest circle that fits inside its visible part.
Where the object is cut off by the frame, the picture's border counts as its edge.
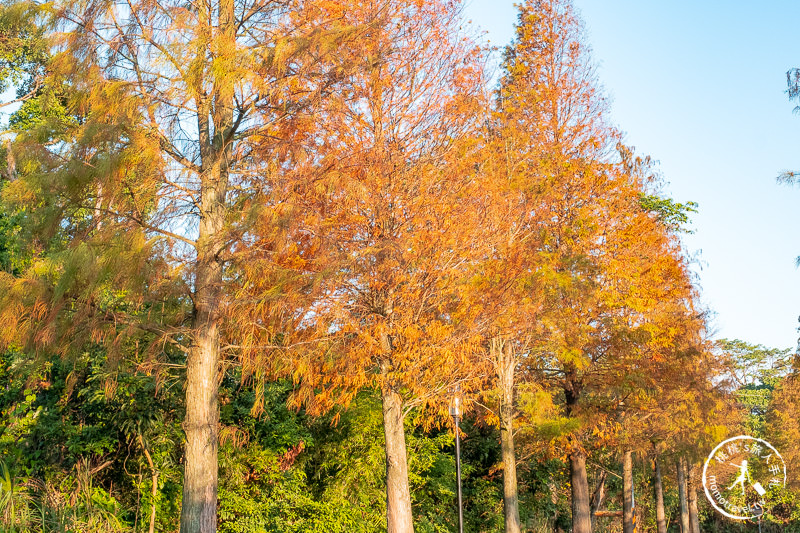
(176, 122)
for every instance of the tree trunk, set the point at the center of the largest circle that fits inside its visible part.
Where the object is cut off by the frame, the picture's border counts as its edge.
(154, 497)
(581, 513)
(398, 497)
(11, 162)
(154, 488)
(505, 364)
(684, 504)
(199, 510)
(598, 496)
(552, 487)
(214, 121)
(510, 495)
(658, 487)
(627, 492)
(694, 518)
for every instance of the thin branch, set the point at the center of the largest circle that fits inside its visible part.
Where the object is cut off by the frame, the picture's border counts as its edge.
(145, 225)
(27, 96)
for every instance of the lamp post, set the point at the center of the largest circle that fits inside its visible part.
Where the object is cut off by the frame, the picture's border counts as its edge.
(455, 412)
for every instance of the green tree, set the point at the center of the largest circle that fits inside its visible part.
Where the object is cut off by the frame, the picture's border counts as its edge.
(755, 372)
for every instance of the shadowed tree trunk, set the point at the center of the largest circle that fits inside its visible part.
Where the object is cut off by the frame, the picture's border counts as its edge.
(581, 512)
(202, 413)
(552, 487)
(598, 496)
(627, 492)
(694, 518)
(658, 488)
(199, 510)
(682, 495)
(505, 364)
(215, 119)
(154, 488)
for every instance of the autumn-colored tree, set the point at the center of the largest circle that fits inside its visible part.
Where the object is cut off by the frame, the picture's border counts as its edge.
(501, 290)
(604, 260)
(782, 423)
(550, 81)
(179, 117)
(683, 411)
(518, 149)
(667, 364)
(504, 292)
(387, 215)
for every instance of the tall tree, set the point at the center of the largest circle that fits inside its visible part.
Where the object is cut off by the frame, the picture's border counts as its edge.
(627, 492)
(519, 188)
(178, 117)
(604, 259)
(683, 491)
(389, 213)
(658, 489)
(755, 372)
(505, 293)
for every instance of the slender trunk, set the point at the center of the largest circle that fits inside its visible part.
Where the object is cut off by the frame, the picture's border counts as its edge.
(505, 364)
(658, 487)
(627, 492)
(581, 513)
(552, 487)
(694, 518)
(198, 513)
(153, 496)
(11, 162)
(154, 488)
(510, 495)
(215, 121)
(398, 497)
(684, 505)
(199, 509)
(598, 496)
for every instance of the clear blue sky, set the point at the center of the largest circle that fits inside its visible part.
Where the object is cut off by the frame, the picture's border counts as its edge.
(700, 86)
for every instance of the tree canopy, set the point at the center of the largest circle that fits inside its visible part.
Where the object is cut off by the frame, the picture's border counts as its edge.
(250, 250)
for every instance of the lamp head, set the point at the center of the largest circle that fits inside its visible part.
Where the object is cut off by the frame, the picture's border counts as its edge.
(455, 405)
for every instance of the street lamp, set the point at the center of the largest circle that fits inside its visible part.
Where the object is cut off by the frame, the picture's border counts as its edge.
(455, 412)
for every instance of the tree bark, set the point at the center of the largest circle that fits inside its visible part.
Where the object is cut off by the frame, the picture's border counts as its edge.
(682, 490)
(199, 510)
(11, 162)
(552, 487)
(581, 510)
(694, 518)
(399, 518)
(581, 513)
(154, 488)
(627, 492)
(598, 496)
(658, 487)
(198, 513)
(505, 364)
(215, 123)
